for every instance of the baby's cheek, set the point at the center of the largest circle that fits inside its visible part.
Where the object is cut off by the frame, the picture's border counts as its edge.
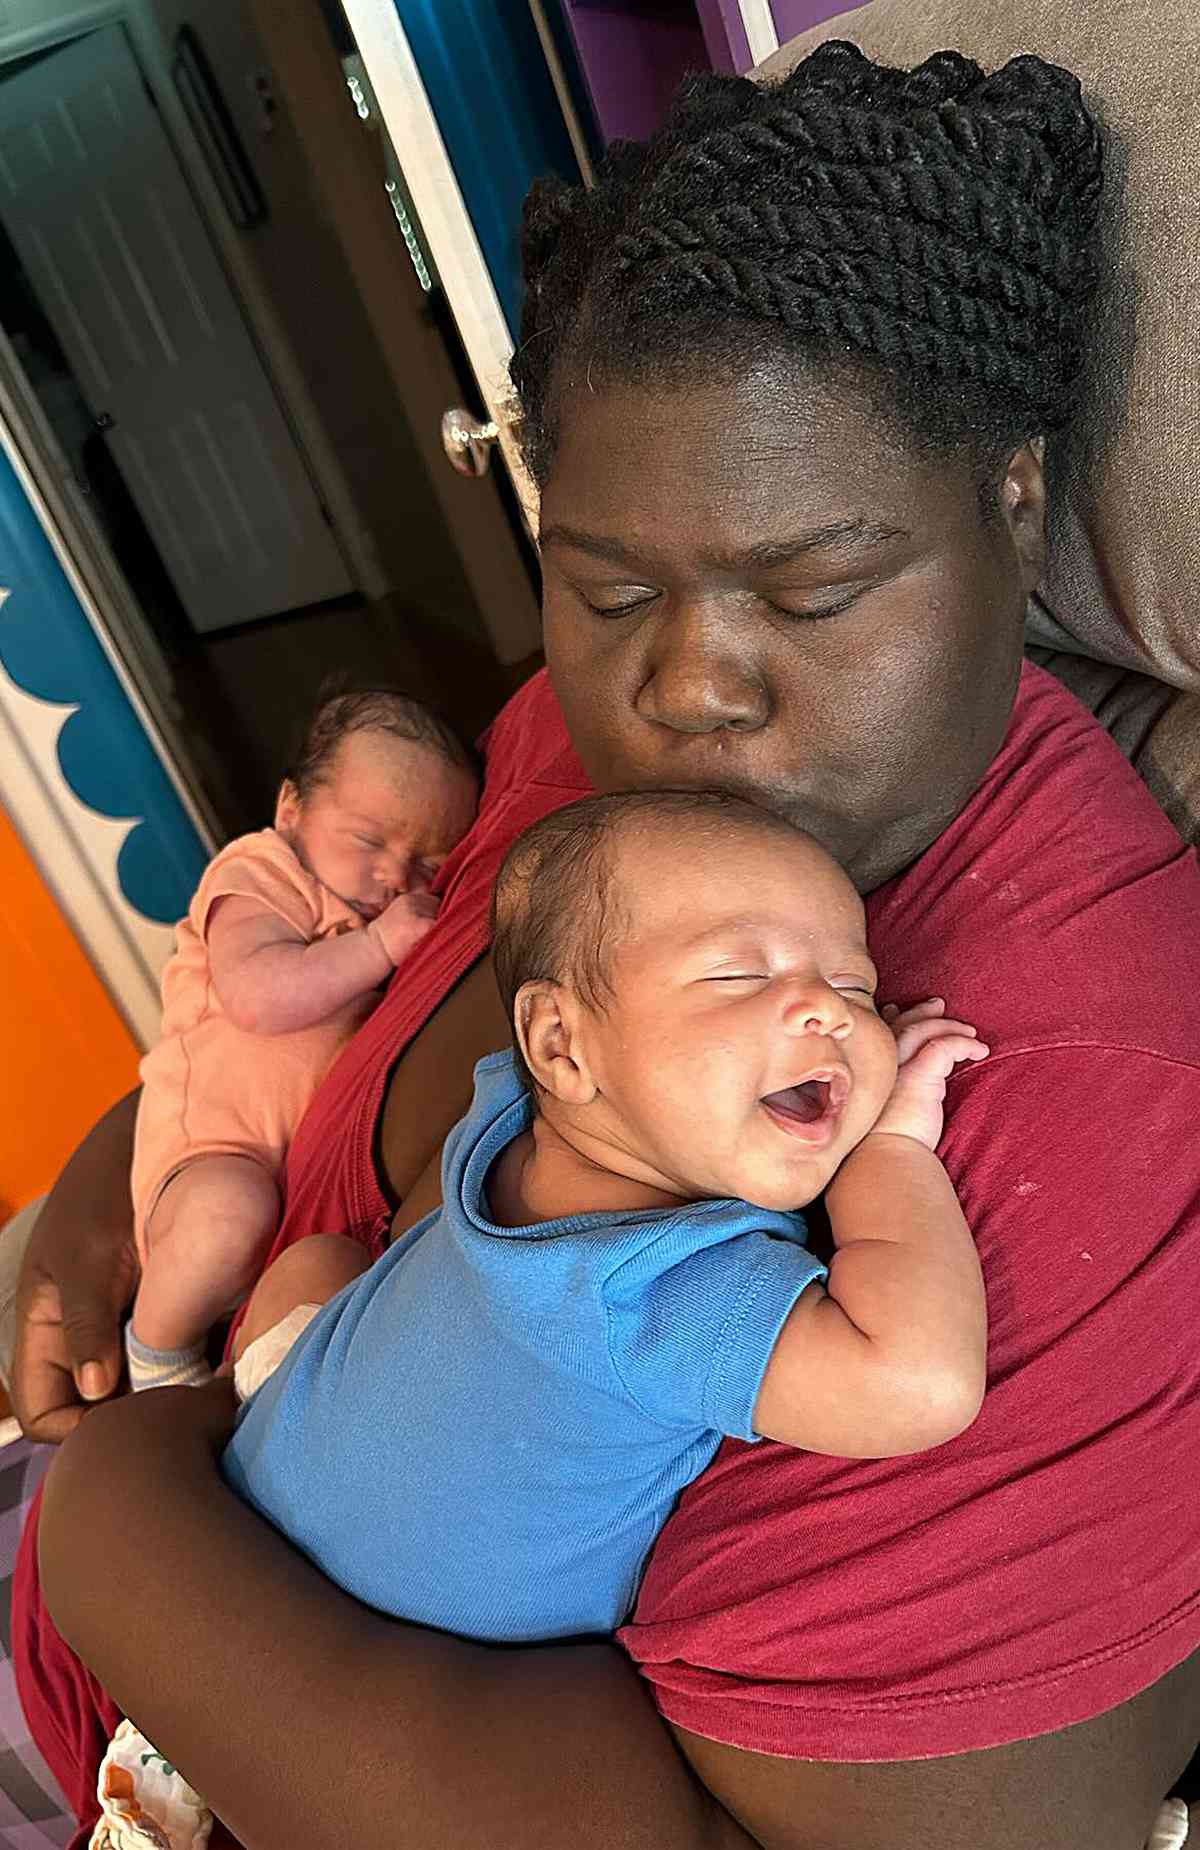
(879, 1066)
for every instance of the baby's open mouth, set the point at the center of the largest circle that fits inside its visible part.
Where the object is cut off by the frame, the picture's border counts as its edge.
(811, 1108)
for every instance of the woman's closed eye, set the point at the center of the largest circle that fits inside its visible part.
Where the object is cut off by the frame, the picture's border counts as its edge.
(620, 603)
(817, 612)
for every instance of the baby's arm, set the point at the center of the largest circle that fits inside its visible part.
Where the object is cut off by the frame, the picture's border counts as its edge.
(270, 979)
(890, 1357)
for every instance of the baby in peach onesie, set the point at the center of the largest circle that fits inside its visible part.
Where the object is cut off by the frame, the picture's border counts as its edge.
(290, 936)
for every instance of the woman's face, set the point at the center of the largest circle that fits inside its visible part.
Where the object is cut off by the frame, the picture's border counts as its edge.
(748, 588)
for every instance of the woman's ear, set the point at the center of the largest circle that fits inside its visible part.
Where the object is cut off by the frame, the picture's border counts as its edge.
(1023, 505)
(547, 1023)
(287, 807)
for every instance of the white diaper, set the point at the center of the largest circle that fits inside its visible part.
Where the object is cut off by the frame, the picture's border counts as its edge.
(1170, 1827)
(263, 1356)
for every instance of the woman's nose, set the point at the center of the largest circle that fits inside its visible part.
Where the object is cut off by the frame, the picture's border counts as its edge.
(817, 1008)
(701, 677)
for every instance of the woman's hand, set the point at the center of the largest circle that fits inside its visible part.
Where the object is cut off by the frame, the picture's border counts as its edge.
(929, 1046)
(78, 1276)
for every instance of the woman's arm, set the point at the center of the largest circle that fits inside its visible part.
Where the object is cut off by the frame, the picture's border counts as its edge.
(78, 1276)
(353, 1728)
(350, 1727)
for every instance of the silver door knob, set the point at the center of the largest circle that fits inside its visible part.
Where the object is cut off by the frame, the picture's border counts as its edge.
(467, 442)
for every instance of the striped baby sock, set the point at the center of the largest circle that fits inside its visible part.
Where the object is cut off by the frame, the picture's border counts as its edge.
(149, 1368)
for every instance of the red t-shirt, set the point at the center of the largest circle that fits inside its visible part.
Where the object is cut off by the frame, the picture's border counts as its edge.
(1042, 1567)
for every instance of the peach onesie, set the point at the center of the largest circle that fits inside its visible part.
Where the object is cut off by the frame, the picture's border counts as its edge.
(213, 1089)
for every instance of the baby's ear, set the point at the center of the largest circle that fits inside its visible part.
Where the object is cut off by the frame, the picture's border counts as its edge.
(287, 806)
(546, 1026)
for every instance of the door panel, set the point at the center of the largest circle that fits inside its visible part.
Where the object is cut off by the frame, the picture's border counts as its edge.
(97, 205)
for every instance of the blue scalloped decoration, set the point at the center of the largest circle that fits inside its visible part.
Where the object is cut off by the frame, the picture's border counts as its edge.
(49, 649)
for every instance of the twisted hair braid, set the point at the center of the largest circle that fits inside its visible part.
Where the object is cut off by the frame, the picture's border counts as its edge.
(931, 231)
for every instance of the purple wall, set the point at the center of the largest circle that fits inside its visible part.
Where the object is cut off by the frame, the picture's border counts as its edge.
(724, 35)
(633, 57)
(633, 52)
(795, 16)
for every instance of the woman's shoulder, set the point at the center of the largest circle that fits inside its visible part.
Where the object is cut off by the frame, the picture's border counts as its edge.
(528, 742)
(1060, 906)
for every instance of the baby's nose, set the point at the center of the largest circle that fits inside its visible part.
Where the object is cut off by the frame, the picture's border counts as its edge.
(392, 875)
(817, 1008)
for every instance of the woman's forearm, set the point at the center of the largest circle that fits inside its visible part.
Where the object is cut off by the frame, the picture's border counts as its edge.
(346, 1726)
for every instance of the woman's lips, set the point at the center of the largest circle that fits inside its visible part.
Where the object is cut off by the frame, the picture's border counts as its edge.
(811, 1109)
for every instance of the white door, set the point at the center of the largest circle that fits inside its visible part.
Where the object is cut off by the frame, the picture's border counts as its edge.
(429, 174)
(95, 201)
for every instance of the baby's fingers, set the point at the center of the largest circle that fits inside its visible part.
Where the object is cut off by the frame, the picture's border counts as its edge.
(910, 1039)
(938, 1056)
(897, 1018)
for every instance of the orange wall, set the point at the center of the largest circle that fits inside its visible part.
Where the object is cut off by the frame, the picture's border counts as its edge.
(65, 1053)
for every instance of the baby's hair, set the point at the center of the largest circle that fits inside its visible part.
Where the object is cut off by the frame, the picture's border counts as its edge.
(926, 239)
(371, 709)
(558, 914)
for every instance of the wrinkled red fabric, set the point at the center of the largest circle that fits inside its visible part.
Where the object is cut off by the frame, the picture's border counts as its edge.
(1041, 1568)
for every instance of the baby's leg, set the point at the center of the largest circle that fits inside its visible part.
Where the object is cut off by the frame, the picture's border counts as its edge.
(286, 1299)
(205, 1242)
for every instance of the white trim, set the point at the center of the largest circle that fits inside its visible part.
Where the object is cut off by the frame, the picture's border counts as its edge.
(409, 119)
(29, 445)
(76, 851)
(759, 22)
(562, 91)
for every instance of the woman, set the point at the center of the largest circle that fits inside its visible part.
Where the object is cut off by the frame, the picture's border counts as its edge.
(785, 376)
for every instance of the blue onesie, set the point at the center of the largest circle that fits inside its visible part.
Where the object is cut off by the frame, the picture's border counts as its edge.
(486, 1431)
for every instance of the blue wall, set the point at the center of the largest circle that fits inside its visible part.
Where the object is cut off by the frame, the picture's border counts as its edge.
(49, 649)
(485, 74)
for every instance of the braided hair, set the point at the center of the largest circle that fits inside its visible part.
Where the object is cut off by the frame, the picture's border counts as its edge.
(926, 238)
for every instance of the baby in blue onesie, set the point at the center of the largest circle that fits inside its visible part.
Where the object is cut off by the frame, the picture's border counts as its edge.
(486, 1429)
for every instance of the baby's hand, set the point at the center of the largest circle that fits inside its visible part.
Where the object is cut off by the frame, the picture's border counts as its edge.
(929, 1047)
(402, 924)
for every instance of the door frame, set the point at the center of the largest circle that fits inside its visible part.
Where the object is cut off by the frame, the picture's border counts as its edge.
(305, 63)
(758, 22)
(104, 593)
(74, 847)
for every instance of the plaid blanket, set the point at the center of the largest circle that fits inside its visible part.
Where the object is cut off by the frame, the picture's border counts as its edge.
(33, 1812)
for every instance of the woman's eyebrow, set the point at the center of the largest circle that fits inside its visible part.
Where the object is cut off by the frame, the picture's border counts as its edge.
(837, 536)
(579, 541)
(852, 535)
